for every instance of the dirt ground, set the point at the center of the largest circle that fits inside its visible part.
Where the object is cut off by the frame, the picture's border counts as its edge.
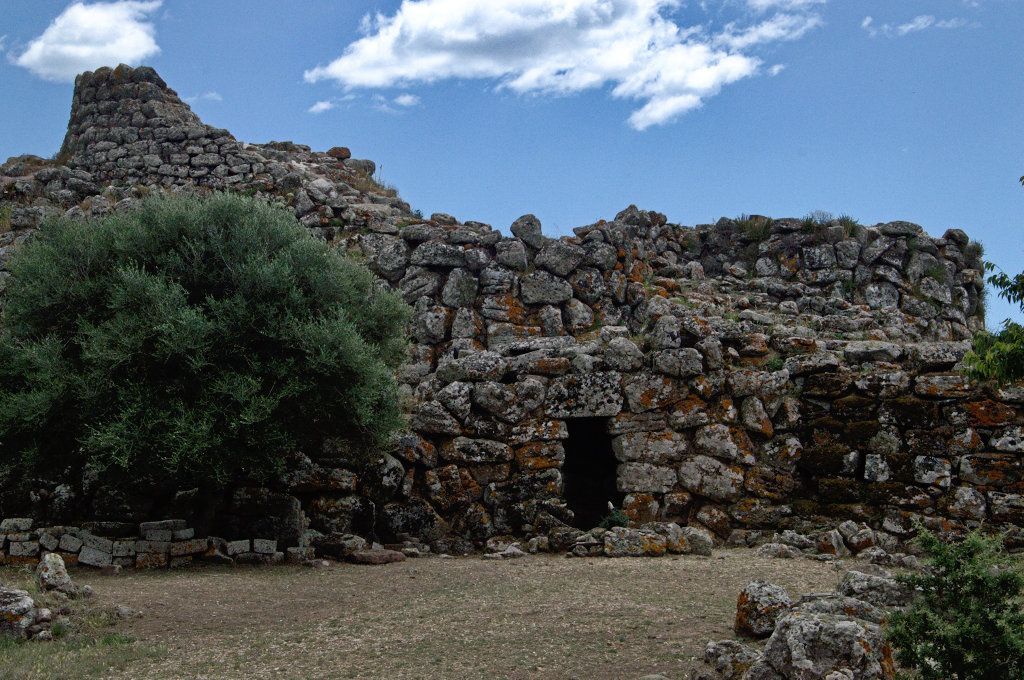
(536, 617)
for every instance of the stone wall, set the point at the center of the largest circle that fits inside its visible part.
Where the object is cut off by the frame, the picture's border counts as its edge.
(750, 375)
(741, 400)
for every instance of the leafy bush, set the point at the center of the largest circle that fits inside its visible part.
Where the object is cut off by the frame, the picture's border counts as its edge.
(1000, 356)
(199, 338)
(967, 621)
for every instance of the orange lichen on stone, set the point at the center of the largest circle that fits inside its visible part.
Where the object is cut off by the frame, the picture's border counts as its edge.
(638, 507)
(539, 456)
(988, 413)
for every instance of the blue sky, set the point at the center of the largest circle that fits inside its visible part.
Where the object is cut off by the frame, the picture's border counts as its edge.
(489, 109)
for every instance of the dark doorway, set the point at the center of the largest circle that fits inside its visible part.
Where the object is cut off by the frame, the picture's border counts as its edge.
(589, 471)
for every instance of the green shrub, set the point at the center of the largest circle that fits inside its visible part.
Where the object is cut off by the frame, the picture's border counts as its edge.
(199, 338)
(999, 356)
(775, 363)
(967, 620)
(615, 518)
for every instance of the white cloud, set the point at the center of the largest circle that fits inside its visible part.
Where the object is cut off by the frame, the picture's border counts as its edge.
(919, 23)
(86, 36)
(776, 70)
(407, 100)
(779, 27)
(332, 103)
(321, 106)
(205, 97)
(788, 5)
(563, 47)
(3, 41)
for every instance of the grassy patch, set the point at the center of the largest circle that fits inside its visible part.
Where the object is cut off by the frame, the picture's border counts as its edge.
(5, 218)
(851, 227)
(974, 252)
(73, 656)
(366, 184)
(816, 219)
(755, 228)
(87, 646)
(816, 222)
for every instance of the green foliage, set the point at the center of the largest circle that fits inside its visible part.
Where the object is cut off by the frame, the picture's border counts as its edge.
(967, 620)
(775, 363)
(615, 518)
(756, 228)
(1000, 356)
(199, 338)
(851, 227)
(5, 217)
(58, 629)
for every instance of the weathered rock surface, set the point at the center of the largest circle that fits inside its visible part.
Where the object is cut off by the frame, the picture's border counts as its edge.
(51, 574)
(759, 607)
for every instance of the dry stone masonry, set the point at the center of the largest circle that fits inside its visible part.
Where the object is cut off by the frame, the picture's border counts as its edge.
(738, 379)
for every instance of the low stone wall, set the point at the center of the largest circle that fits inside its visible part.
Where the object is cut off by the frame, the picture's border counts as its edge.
(166, 543)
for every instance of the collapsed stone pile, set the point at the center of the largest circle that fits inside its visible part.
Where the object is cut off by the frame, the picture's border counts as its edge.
(743, 378)
(836, 636)
(21, 618)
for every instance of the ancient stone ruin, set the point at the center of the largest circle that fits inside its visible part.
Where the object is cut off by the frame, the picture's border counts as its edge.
(745, 377)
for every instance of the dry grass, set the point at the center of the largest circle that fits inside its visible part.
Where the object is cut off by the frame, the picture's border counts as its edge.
(369, 185)
(537, 617)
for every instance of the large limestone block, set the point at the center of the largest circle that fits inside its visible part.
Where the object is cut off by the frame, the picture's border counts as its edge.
(645, 478)
(711, 478)
(660, 448)
(585, 395)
